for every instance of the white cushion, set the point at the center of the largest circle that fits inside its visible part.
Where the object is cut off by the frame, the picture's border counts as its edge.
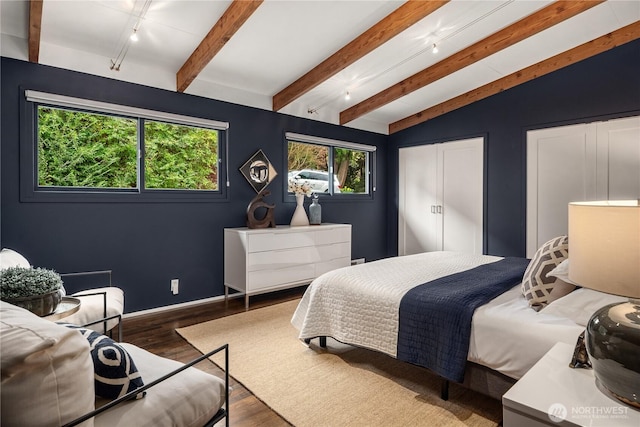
(562, 272)
(580, 305)
(92, 308)
(190, 398)
(47, 372)
(11, 258)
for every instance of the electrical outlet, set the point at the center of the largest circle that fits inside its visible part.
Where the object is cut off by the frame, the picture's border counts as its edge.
(174, 286)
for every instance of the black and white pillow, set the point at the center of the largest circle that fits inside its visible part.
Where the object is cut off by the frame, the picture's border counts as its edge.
(536, 286)
(115, 372)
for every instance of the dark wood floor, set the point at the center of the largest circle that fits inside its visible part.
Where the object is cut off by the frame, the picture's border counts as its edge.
(156, 333)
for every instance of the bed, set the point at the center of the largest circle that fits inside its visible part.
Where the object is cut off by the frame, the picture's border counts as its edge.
(360, 305)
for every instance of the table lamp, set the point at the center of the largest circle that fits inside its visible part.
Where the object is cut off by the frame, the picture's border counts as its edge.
(604, 253)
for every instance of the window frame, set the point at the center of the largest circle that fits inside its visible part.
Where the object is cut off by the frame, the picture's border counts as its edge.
(31, 191)
(331, 144)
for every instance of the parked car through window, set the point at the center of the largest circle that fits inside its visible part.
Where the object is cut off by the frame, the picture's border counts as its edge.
(318, 180)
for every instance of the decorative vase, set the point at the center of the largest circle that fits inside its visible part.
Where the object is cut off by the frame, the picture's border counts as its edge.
(41, 305)
(315, 211)
(299, 217)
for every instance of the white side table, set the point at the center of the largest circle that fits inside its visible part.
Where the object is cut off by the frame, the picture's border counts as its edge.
(553, 394)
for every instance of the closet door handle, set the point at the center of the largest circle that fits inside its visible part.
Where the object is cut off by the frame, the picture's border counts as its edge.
(433, 209)
(439, 209)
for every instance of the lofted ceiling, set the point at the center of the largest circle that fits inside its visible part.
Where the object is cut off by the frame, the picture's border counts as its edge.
(302, 57)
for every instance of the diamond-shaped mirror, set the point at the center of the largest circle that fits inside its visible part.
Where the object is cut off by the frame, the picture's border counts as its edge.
(258, 171)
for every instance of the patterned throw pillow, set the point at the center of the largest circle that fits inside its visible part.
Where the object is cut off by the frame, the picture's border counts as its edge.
(536, 286)
(115, 373)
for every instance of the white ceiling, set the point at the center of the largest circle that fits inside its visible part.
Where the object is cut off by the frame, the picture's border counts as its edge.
(283, 40)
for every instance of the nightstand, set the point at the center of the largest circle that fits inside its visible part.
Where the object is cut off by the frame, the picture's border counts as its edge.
(553, 394)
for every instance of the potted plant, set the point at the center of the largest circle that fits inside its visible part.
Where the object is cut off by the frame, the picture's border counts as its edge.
(35, 289)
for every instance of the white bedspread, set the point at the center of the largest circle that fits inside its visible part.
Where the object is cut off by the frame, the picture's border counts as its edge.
(359, 305)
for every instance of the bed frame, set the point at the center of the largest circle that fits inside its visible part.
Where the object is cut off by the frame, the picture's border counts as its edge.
(477, 377)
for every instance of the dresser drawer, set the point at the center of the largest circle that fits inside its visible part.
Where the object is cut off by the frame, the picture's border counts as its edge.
(261, 242)
(268, 260)
(333, 235)
(264, 279)
(329, 252)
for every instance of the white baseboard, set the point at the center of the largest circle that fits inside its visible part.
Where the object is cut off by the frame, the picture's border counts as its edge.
(180, 305)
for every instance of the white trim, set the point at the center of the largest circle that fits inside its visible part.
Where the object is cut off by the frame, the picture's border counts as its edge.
(326, 141)
(178, 306)
(105, 107)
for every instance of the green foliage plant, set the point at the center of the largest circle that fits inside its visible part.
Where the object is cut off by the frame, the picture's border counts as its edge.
(89, 150)
(18, 282)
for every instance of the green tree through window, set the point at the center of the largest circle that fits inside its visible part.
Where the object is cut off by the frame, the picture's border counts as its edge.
(180, 157)
(349, 166)
(77, 149)
(91, 150)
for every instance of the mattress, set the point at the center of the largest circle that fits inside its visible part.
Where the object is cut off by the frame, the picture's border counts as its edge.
(359, 305)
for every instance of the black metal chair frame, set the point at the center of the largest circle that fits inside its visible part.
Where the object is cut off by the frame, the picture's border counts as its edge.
(223, 413)
(104, 299)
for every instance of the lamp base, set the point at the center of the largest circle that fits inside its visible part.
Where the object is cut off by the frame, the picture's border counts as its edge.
(613, 342)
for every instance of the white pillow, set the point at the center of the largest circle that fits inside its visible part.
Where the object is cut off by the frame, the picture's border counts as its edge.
(11, 258)
(580, 305)
(47, 371)
(562, 272)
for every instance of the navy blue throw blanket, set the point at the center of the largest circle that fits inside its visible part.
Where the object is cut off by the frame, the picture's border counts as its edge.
(435, 317)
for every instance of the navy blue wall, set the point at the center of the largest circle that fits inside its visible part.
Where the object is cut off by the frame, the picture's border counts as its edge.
(146, 244)
(602, 87)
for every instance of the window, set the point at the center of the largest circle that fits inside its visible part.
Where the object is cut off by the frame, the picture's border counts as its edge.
(180, 157)
(320, 161)
(84, 145)
(77, 149)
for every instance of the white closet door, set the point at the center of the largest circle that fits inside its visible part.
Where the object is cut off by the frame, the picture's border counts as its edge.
(460, 166)
(417, 181)
(595, 161)
(441, 197)
(618, 167)
(560, 169)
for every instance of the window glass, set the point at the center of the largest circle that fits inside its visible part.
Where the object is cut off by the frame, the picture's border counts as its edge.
(79, 149)
(310, 163)
(180, 157)
(349, 172)
(350, 167)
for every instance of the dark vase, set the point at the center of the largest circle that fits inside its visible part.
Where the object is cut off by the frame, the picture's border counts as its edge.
(613, 343)
(41, 305)
(315, 211)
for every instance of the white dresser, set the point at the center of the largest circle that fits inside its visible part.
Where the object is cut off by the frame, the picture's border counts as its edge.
(267, 259)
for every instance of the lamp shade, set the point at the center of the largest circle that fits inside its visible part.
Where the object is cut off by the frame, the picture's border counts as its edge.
(604, 246)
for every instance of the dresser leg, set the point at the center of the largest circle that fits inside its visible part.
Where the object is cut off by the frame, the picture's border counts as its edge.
(246, 302)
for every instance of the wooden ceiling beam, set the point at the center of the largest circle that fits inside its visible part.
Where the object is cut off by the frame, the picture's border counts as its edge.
(393, 24)
(35, 25)
(539, 21)
(233, 18)
(594, 47)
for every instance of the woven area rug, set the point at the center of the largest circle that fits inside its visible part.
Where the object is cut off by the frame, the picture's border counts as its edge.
(340, 386)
